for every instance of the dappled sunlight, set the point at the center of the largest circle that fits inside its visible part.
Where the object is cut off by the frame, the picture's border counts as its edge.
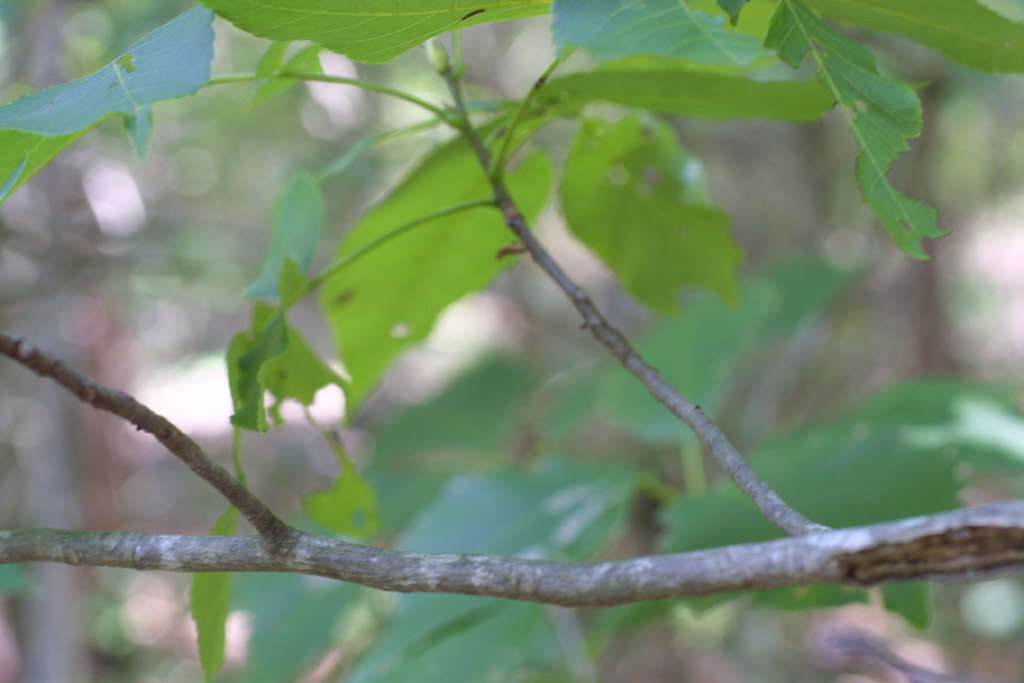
(114, 198)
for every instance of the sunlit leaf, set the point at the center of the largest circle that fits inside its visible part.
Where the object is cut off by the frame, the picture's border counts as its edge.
(626, 194)
(964, 30)
(388, 300)
(306, 60)
(266, 337)
(369, 32)
(349, 507)
(272, 356)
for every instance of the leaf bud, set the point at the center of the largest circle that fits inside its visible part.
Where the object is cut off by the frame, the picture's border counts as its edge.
(437, 56)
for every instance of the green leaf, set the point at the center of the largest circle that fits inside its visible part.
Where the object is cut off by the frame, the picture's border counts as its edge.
(170, 62)
(14, 580)
(294, 622)
(140, 127)
(964, 30)
(857, 470)
(626, 195)
(296, 226)
(306, 60)
(266, 337)
(671, 87)
(349, 507)
(460, 638)
(911, 599)
(387, 300)
(807, 597)
(373, 32)
(466, 426)
(882, 114)
(475, 414)
(272, 356)
(272, 59)
(297, 372)
(564, 510)
(698, 350)
(733, 7)
(666, 28)
(209, 603)
(292, 285)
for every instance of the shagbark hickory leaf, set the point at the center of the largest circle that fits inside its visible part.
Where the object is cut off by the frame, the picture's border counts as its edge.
(882, 115)
(964, 30)
(170, 62)
(370, 32)
(672, 86)
(668, 28)
(387, 300)
(626, 195)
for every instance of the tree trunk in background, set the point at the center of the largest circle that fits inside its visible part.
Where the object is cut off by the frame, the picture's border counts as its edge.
(933, 353)
(53, 648)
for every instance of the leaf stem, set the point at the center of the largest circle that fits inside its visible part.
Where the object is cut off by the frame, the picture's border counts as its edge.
(348, 259)
(458, 67)
(236, 455)
(497, 169)
(341, 80)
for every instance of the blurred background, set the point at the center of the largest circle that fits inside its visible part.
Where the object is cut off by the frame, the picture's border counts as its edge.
(133, 270)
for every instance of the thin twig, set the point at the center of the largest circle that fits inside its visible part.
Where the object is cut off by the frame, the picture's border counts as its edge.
(348, 259)
(773, 507)
(961, 545)
(273, 531)
(497, 168)
(342, 80)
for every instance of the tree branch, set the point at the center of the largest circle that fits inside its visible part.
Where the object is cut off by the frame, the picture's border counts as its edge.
(769, 502)
(273, 531)
(960, 545)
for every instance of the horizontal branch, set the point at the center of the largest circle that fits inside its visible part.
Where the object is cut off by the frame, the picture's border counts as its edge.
(960, 545)
(271, 528)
